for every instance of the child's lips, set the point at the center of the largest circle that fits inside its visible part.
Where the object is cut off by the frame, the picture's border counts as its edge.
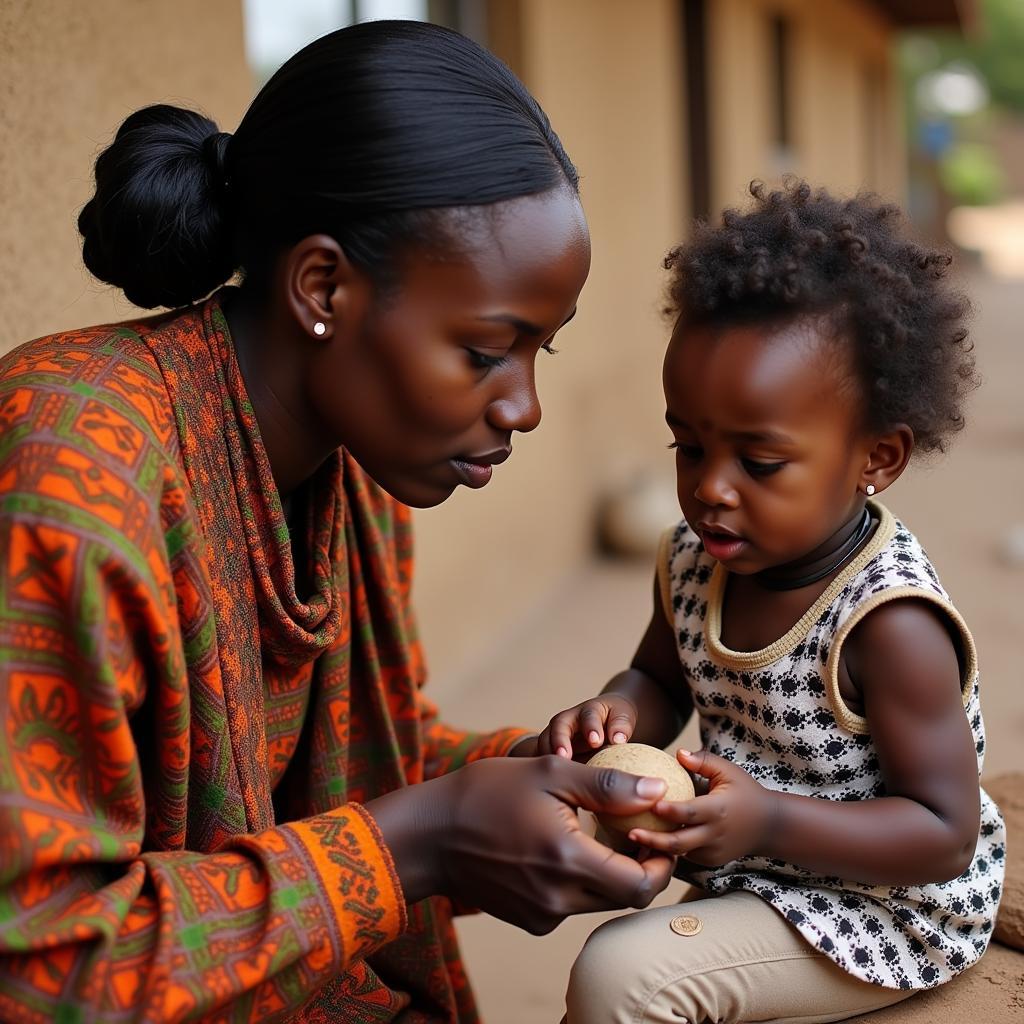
(722, 545)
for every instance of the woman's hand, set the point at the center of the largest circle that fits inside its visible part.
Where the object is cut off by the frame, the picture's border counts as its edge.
(502, 834)
(514, 847)
(584, 728)
(730, 821)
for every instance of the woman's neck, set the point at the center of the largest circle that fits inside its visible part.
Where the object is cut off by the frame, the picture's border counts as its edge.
(269, 358)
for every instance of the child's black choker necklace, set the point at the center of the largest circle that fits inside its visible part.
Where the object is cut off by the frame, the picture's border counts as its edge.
(845, 552)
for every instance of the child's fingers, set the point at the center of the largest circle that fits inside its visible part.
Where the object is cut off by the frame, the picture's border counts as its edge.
(544, 742)
(592, 724)
(562, 729)
(707, 765)
(677, 843)
(620, 727)
(685, 812)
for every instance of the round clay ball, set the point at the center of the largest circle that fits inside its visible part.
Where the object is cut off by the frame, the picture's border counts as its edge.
(640, 759)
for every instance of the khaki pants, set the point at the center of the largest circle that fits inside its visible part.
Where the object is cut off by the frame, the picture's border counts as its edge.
(730, 958)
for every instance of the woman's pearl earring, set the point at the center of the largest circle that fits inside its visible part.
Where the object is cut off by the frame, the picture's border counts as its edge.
(869, 490)
(319, 328)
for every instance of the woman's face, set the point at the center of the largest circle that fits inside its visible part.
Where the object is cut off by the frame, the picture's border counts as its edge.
(434, 380)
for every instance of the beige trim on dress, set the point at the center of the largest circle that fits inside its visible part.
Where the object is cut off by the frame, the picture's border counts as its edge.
(856, 723)
(664, 576)
(753, 660)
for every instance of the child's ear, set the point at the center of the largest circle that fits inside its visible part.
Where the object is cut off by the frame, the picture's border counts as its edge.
(887, 458)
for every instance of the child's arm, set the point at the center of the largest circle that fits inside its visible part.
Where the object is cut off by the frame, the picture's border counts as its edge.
(649, 702)
(924, 829)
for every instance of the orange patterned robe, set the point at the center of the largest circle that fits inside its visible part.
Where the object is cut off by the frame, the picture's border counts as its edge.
(186, 743)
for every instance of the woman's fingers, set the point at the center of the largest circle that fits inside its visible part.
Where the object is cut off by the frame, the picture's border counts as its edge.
(545, 867)
(612, 880)
(603, 789)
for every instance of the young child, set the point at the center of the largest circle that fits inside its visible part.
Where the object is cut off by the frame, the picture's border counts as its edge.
(844, 850)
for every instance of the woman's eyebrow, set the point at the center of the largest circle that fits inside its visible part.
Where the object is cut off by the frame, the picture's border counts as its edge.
(521, 325)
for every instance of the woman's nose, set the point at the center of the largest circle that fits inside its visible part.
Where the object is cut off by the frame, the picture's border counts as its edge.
(715, 490)
(517, 408)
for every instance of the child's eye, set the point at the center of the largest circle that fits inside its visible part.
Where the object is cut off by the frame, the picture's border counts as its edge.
(693, 452)
(481, 361)
(757, 468)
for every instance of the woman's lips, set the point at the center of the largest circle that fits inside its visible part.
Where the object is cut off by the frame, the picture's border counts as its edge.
(473, 474)
(475, 470)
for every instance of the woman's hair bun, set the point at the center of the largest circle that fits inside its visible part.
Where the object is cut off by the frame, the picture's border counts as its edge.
(158, 226)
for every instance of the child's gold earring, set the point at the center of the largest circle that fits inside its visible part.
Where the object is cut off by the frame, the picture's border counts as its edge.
(869, 490)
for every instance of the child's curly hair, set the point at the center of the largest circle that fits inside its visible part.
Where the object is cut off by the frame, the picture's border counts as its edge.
(800, 252)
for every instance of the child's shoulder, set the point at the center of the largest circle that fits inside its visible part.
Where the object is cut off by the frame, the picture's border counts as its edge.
(896, 561)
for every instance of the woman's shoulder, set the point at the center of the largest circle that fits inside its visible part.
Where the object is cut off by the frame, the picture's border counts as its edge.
(89, 383)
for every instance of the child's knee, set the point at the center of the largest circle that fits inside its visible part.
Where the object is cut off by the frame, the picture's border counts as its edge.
(597, 978)
(620, 977)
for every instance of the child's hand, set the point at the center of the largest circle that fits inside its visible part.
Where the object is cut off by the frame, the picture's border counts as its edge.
(730, 821)
(608, 718)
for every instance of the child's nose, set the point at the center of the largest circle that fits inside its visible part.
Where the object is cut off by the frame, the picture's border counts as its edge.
(715, 490)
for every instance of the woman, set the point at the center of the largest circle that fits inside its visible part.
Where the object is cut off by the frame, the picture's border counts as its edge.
(223, 795)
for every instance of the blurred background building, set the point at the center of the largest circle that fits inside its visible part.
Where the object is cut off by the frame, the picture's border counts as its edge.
(669, 108)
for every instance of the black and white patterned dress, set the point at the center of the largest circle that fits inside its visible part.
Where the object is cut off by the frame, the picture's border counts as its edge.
(778, 714)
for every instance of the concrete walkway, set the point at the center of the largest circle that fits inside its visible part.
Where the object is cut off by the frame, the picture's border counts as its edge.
(962, 506)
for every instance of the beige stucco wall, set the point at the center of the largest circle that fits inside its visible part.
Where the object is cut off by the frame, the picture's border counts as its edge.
(845, 133)
(69, 74)
(609, 75)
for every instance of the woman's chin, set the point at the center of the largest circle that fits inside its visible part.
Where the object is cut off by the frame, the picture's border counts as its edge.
(414, 491)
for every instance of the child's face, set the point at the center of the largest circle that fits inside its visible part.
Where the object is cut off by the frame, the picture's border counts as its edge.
(770, 445)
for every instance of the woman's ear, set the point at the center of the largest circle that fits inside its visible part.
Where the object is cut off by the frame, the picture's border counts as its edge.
(887, 458)
(323, 290)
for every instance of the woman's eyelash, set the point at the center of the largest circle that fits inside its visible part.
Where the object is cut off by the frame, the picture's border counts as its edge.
(484, 362)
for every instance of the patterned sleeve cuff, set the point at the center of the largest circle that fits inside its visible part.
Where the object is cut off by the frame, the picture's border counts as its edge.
(358, 877)
(498, 744)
